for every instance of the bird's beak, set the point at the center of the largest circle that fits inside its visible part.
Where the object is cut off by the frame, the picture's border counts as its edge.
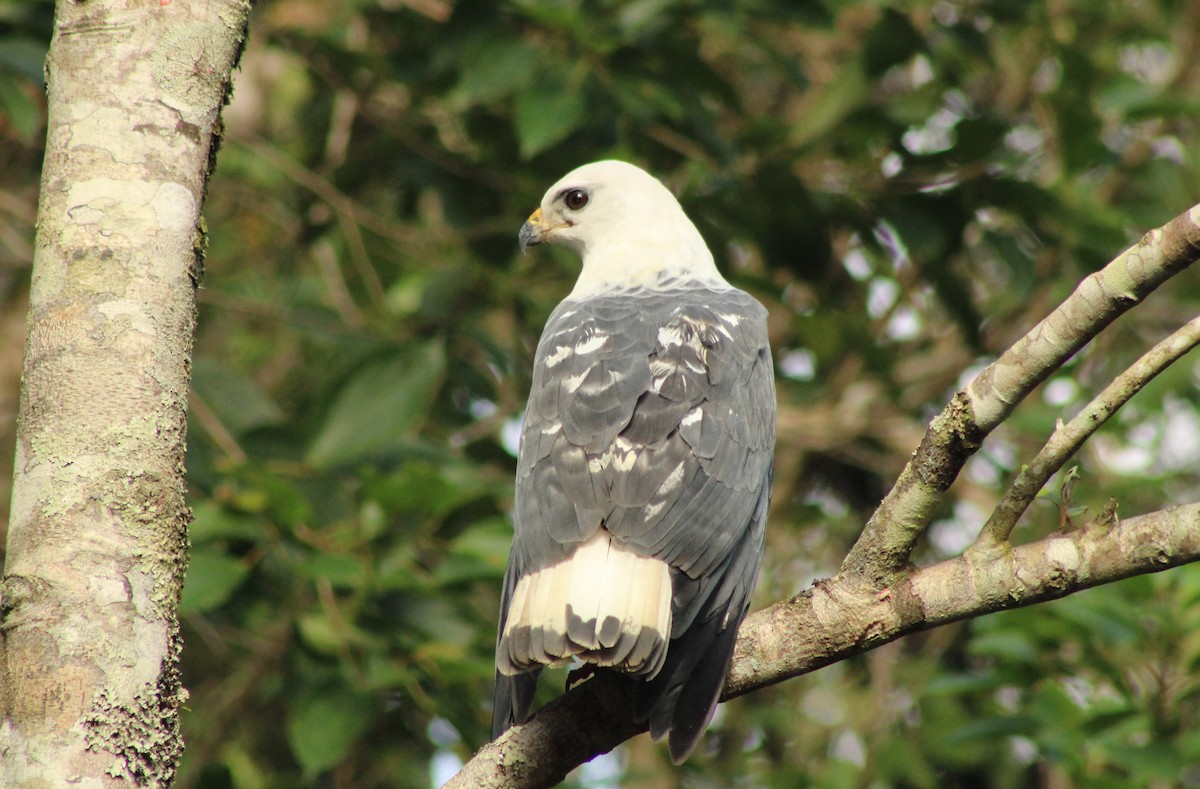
(531, 231)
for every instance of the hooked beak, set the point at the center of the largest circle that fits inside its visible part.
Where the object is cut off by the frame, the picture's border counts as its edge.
(531, 231)
(535, 230)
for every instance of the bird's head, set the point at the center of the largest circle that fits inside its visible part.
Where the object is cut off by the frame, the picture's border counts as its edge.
(628, 228)
(591, 202)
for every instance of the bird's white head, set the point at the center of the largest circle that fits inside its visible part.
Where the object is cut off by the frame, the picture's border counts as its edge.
(628, 228)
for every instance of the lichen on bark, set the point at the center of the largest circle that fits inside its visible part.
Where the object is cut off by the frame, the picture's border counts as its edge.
(142, 735)
(97, 545)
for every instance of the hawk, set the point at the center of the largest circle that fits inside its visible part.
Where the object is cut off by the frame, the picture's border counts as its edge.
(644, 470)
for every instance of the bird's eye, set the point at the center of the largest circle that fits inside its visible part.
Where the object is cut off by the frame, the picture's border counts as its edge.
(575, 199)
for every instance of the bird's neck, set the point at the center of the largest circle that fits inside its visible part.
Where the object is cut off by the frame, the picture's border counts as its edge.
(655, 264)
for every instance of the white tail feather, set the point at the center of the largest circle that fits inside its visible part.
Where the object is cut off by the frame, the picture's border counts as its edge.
(558, 612)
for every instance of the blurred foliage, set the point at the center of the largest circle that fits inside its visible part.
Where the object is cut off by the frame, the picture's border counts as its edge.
(907, 186)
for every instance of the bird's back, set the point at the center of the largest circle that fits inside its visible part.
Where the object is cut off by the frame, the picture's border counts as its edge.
(645, 464)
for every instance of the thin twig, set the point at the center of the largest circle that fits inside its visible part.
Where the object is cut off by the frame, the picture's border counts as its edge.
(215, 428)
(886, 543)
(326, 190)
(1067, 439)
(339, 292)
(349, 214)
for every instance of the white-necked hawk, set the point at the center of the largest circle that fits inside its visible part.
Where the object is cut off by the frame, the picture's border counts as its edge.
(644, 471)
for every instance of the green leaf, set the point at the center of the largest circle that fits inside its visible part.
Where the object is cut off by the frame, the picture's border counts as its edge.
(332, 634)
(23, 56)
(494, 70)
(832, 103)
(1006, 645)
(212, 577)
(986, 730)
(397, 569)
(322, 727)
(211, 522)
(956, 684)
(478, 554)
(321, 634)
(438, 622)
(380, 407)
(19, 110)
(339, 569)
(546, 113)
(243, 769)
(237, 401)
(424, 488)
(1156, 763)
(403, 297)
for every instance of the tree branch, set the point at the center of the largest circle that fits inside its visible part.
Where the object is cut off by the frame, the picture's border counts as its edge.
(1067, 439)
(836, 619)
(886, 543)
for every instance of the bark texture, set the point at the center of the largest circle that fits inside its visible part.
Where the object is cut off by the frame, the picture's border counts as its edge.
(97, 546)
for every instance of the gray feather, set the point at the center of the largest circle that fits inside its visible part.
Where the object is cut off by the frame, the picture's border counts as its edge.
(652, 415)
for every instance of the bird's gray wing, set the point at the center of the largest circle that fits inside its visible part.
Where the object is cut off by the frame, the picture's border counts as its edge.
(589, 370)
(513, 695)
(654, 414)
(708, 425)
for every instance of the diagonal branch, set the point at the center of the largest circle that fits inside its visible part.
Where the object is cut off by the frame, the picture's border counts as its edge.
(886, 543)
(1067, 439)
(833, 620)
(836, 619)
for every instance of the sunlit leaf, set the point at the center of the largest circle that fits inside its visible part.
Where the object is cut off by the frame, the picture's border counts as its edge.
(379, 407)
(546, 113)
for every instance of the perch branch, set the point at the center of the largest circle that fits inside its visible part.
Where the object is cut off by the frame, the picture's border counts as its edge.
(836, 619)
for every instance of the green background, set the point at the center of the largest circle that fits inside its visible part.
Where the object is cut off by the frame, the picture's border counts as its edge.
(908, 187)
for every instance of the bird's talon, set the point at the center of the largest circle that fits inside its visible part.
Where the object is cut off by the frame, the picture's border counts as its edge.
(577, 676)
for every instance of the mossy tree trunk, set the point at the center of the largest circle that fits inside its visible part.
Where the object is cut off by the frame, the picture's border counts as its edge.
(97, 546)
